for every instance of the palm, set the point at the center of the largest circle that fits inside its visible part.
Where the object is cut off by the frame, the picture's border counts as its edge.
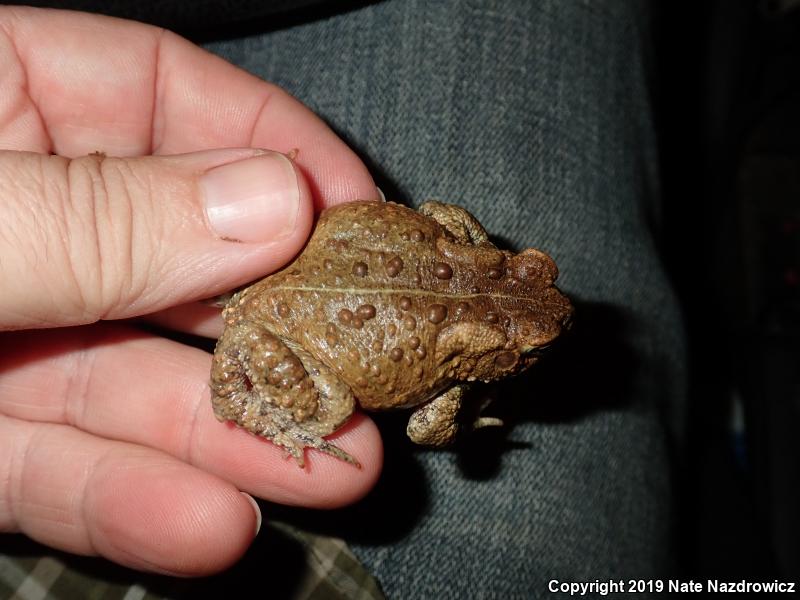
(113, 446)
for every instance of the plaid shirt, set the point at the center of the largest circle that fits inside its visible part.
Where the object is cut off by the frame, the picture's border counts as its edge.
(284, 562)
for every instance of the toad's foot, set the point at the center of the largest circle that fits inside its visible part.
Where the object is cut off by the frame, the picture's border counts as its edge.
(460, 223)
(481, 421)
(270, 422)
(276, 390)
(436, 422)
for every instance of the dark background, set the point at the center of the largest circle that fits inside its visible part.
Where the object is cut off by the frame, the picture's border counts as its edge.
(727, 92)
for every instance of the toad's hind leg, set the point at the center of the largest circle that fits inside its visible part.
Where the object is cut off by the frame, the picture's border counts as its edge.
(276, 390)
(458, 221)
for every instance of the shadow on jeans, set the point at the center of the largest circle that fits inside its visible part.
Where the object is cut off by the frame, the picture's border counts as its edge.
(590, 370)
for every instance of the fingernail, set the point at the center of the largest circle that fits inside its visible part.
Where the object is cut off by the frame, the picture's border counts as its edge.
(252, 200)
(381, 194)
(256, 508)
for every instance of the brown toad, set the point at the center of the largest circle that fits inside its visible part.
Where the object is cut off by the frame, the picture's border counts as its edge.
(387, 307)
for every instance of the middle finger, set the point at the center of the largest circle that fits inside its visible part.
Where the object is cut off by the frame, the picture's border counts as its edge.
(127, 385)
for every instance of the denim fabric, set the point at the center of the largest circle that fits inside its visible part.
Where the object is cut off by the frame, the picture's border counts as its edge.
(535, 116)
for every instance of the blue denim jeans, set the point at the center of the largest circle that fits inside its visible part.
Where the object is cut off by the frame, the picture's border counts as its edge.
(536, 117)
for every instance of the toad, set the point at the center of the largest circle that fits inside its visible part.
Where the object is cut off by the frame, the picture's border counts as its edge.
(385, 308)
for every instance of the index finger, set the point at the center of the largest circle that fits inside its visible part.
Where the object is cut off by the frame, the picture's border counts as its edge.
(79, 83)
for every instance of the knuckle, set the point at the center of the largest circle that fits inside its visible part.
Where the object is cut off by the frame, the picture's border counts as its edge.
(80, 239)
(107, 199)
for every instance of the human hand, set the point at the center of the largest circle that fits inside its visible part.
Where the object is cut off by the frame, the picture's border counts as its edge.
(108, 444)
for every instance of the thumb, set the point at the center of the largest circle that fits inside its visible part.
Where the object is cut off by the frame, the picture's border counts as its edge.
(105, 238)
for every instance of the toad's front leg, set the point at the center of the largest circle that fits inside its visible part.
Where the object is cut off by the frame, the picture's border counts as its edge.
(435, 423)
(276, 390)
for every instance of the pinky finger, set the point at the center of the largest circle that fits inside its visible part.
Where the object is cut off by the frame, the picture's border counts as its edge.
(133, 505)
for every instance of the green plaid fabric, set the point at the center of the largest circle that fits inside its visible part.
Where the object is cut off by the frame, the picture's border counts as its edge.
(284, 562)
